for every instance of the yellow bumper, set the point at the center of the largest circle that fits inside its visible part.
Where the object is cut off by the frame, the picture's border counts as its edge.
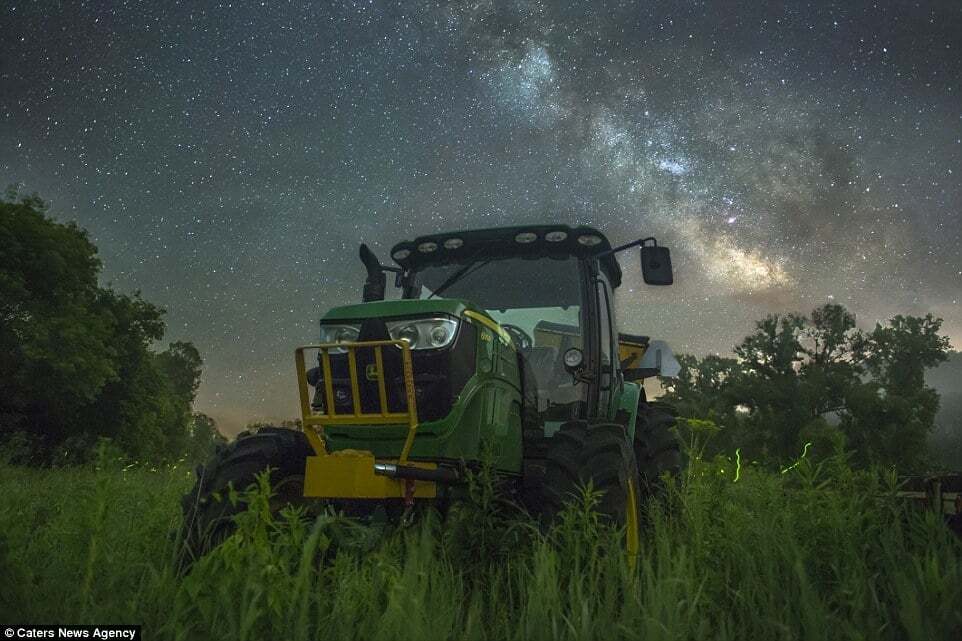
(349, 474)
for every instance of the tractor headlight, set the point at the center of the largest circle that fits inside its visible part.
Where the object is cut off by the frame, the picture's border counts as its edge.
(408, 334)
(339, 334)
(424, 333)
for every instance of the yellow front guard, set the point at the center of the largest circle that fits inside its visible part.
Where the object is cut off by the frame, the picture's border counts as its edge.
(349, 474)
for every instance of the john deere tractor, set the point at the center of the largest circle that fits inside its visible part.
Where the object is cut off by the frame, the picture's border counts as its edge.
(500, 348)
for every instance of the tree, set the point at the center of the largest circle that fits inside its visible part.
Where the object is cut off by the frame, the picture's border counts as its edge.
(891, 416)
(769, 388)
(75, 358)
(820, 379)
(901, 351)
(702, 384)
(55, 343)
(203, 438)
(832, 353)
(287, 423)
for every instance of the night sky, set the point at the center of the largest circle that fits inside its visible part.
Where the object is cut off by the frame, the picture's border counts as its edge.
(228, 158)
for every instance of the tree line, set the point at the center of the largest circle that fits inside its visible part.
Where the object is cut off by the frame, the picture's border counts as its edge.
(819, 380)
(77, 363)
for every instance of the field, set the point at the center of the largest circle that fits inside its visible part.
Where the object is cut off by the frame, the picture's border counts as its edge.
(814, 553)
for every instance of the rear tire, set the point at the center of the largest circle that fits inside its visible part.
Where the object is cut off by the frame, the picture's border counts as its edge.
(656, 447)
(209, 514)
(600, 454)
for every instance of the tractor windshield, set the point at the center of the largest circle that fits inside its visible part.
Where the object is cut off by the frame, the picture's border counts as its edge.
(538, 301)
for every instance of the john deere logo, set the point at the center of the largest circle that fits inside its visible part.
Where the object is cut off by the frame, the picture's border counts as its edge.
(371, 372)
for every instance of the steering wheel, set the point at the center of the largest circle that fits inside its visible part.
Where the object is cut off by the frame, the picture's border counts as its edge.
(522, 340)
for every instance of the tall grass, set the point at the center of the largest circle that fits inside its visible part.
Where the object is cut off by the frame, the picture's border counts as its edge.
(816, 553)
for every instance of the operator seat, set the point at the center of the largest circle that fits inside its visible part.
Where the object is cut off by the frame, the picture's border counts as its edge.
(543, 361)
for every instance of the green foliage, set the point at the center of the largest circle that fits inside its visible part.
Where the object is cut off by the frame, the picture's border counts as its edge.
(901, 351)
(701, 385)
(75, 358)
(486, 518)
(820, 552)
(820, 380)
(287, 423)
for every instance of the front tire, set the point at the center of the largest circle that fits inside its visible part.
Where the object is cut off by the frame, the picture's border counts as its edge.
(600, 455)
(209, 515)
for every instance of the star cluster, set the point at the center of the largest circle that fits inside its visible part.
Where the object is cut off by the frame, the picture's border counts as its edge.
(227, 158)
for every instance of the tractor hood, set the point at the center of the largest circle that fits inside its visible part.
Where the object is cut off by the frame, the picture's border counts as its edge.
(401, 309)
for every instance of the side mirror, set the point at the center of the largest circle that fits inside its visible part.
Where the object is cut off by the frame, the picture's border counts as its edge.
(656, 265)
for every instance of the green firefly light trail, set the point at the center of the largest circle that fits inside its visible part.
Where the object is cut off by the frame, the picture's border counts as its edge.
(795, 464)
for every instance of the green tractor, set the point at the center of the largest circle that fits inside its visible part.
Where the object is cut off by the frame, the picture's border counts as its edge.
(501, 349)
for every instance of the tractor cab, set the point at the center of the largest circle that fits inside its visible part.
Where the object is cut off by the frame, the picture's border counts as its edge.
(552, 290)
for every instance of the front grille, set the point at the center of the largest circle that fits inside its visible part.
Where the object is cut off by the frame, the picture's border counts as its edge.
(439, 375)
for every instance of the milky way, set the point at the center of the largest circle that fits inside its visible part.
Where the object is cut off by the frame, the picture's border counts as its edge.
(228, 158)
